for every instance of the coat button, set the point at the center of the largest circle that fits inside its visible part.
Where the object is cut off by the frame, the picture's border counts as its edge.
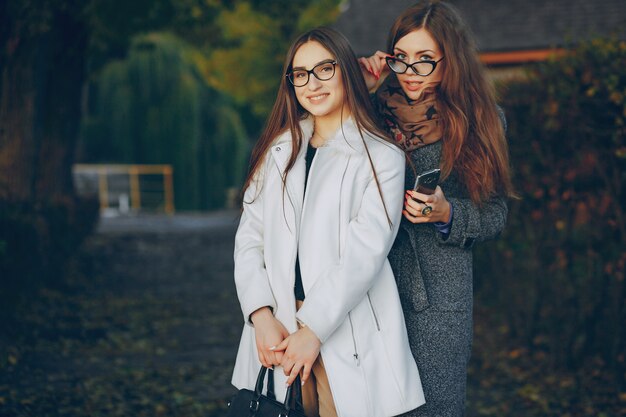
(278, 149)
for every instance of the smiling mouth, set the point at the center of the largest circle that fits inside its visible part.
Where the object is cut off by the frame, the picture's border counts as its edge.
(318, 97)
(413, 85)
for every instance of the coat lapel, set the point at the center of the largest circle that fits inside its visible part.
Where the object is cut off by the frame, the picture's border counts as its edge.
(281, 152)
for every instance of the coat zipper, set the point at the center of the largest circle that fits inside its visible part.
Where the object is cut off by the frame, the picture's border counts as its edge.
(369, 299)
(356, 353)
(289, 193)
(343, 177)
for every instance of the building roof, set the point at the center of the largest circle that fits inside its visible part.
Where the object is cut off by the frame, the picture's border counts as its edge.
(499, 26)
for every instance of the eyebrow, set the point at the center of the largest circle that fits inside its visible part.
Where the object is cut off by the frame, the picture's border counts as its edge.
(321, 62)
(418, 52)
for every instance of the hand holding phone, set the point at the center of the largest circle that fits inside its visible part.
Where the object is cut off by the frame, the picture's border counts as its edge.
(437, 209)
(426, 182)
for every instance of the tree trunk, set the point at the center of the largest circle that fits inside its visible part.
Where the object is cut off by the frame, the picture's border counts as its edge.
(17, 116)
(42, 78)
(42, 70)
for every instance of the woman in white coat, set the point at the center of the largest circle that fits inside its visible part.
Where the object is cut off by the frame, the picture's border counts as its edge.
(322, 205)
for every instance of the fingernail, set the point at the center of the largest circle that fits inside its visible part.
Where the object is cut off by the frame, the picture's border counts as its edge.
(273, 347)
(303, 382)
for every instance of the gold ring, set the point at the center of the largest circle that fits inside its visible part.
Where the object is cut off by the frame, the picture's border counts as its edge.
(427, 210)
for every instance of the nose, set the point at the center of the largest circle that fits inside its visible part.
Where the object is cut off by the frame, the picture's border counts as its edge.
(314, 83)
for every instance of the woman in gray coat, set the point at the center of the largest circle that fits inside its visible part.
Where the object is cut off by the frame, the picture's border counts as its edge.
(440, 108)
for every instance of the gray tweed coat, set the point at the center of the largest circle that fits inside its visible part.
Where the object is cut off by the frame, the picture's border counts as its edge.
(434, 278)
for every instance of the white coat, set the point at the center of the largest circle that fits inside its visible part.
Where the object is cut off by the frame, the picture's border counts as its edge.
(342, 236)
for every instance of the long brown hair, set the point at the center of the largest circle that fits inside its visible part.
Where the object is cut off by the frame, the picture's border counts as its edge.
(287, 111)
(474, 145)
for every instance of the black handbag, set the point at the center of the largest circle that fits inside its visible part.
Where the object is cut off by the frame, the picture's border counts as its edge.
(247, 403)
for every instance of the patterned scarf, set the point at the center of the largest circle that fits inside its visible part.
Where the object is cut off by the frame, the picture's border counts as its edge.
(412, 124)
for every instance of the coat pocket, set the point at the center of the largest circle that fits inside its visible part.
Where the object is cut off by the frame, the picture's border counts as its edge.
(373, 310)
(416, 291)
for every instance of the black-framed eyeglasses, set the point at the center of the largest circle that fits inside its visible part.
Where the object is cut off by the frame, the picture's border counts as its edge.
(323, 71)
(423, 68)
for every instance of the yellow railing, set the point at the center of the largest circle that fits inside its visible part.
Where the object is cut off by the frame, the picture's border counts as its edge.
(134, 172)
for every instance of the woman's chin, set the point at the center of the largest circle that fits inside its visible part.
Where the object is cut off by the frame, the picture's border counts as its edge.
(413, 93)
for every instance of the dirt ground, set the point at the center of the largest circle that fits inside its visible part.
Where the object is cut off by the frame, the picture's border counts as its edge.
(147, 323)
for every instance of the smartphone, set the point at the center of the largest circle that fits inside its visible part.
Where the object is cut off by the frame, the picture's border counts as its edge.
(426, 182)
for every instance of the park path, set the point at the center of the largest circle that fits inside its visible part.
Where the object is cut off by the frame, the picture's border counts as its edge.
(149, 325)
(186, 262)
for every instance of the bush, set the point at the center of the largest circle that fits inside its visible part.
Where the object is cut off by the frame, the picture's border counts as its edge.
(561, 289)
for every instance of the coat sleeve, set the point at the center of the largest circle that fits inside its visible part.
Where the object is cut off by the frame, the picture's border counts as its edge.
(472, 223)
(251, 280)
(369, 237)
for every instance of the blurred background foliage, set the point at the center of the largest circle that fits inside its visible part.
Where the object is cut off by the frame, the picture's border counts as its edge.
(180, 82)
(557, 274)
(156, 107)
(256, 38)
(176, 97)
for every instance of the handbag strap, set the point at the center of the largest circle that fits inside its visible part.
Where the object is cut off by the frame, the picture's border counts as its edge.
(293, 397)
(270, 384)
(258, 387)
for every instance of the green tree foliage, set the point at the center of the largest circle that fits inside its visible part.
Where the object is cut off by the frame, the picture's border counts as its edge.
(561, 285)
(48, 48)
(256, 36)
(156, 107)
(113, 23)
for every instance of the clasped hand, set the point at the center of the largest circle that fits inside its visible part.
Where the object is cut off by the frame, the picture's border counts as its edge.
(269, 332)
(299, 352)
(275, 346)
